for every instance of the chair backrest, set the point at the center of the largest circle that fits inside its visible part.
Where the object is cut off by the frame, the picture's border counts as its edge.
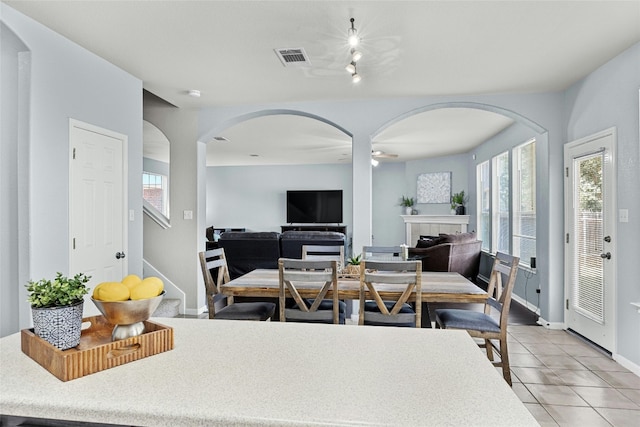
(389, 253)
(327, 253)
(317, 277)
(215, 260)
(375, 274)
(501, 282)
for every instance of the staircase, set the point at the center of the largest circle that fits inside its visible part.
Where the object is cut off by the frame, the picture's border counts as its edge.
(169, 307)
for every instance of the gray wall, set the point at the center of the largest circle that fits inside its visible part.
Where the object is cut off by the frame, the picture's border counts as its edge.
(14, 191)
(174, 250)
(66, 81)
(391, 181)
(609, 97)
(255, 197)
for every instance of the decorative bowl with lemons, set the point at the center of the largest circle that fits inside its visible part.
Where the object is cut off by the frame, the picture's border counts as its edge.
(128, 304)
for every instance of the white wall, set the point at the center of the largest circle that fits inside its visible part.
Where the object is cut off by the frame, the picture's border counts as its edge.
(610, 97)
(67, 81)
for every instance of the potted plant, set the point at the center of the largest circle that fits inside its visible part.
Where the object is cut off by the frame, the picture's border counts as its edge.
(56, 307)
(458, 200)
(408, 203)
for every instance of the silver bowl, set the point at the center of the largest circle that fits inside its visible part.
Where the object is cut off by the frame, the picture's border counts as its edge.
(128, 316)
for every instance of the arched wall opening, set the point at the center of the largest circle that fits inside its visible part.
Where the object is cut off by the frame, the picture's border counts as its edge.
(463, 170)
(253, 196)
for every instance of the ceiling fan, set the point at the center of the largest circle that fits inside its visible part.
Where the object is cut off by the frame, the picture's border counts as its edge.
(377, 154)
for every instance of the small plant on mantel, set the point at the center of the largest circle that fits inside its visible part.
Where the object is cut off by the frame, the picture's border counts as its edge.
(458, 200)
(407, 202)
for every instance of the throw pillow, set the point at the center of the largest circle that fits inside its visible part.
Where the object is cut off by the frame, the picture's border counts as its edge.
(458, 238)
(428, 242)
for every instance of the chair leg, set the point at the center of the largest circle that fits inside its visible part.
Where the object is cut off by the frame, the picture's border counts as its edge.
(489, 347)
(504, 355)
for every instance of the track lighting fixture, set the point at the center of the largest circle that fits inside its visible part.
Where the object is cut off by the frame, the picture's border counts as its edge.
(356, 55)
(374, 162)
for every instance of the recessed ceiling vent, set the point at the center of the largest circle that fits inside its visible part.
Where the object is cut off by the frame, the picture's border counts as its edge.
(293, 57)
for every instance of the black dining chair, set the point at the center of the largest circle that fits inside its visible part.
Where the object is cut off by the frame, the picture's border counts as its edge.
(381, 311)
(482, 324)
(323, 273)
(215, 260)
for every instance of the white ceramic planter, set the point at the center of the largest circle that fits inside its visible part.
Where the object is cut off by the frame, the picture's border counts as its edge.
(60, 326)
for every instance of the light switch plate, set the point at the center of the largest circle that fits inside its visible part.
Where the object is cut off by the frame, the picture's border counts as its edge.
(623, 215)
(132, 215)
(188, 214)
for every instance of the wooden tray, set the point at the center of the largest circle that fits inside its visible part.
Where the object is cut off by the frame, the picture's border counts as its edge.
(96, 352)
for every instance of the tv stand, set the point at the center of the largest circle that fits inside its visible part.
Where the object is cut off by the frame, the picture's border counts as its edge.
(315, 227)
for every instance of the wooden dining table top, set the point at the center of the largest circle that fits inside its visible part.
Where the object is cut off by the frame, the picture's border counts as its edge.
(436, 287)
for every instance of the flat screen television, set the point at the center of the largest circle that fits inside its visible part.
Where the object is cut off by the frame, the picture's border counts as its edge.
(314, 206)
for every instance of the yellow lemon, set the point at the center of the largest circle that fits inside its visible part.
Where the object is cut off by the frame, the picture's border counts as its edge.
(95, 290)
(149, 287)
(131, 280)
(111, 291)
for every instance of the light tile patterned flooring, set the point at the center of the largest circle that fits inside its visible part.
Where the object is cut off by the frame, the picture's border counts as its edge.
(564, 381)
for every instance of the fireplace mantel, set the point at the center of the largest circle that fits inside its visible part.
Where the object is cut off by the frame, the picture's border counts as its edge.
(432, 225)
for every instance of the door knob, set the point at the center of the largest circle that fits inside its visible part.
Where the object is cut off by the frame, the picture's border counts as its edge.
(120, 255)
(607, 255)
(607, 239)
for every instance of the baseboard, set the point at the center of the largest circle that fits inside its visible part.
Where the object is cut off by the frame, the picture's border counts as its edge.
(525, 303)
(627, 364)
(195, 311)
(551, 325)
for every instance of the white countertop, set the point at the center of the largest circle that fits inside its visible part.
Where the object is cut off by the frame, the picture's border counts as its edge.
(270, 373)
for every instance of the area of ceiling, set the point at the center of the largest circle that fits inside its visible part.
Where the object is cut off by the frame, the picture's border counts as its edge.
(225, 49)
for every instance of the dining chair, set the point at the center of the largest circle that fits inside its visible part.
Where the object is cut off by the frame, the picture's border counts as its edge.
(482, 324)
(215, 259)
(319, 275)
(324, 252)
(390, 253)
(389, 311)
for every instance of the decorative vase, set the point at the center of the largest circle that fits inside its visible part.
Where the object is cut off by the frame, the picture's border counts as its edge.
(460, 210)
(60, 326)
(453, 211)
(408, 210)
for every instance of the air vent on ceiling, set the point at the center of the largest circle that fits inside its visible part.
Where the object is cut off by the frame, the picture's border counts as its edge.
(293, 57)
(220, 139)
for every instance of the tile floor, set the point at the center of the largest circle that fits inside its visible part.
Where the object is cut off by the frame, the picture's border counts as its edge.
(564, 381)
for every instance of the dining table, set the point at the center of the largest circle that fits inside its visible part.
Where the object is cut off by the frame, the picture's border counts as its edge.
(436, 287)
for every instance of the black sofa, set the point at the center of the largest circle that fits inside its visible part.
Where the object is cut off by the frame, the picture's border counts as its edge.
(291, 242)
(247, 251)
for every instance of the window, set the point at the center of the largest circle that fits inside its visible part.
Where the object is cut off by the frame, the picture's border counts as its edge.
(506, 189)
(154, 191)
(524, 201)
(500, 204)
(484, 205)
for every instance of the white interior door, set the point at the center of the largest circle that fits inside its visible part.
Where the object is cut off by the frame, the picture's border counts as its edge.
(97, 205)
(590, 256)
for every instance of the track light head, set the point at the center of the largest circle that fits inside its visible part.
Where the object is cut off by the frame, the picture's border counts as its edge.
(351, 67)
(352, 35)
(355, 55)
(355, 77)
